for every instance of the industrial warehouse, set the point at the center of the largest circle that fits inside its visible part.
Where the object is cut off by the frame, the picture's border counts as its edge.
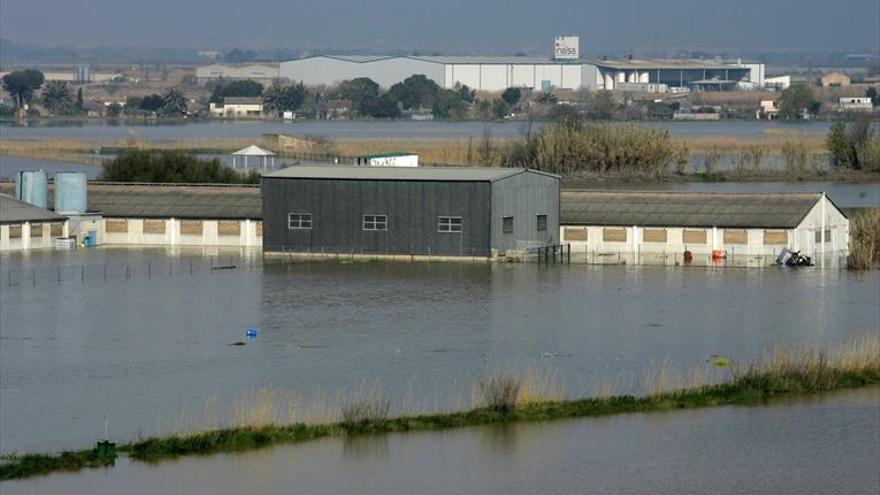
(445, 211)
(564, 70)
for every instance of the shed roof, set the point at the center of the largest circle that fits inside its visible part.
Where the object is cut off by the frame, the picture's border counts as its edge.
(676, 209)
(16, 211)
(253, 150)
(173, 200)
(442, 174)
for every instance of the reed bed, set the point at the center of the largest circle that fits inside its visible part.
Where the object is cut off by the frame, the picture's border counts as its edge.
(263, 417)
(864, 240)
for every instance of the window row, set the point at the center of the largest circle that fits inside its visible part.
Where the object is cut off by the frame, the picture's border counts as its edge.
(303, 221)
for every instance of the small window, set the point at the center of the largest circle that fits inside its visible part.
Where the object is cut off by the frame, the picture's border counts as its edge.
(542, 223)
(299, 221)
(375, 222)
(449, 224)
(507, 225)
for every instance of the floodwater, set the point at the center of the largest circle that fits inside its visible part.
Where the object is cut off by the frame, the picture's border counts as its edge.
(146, 345)
(827, 444)
(101, 130)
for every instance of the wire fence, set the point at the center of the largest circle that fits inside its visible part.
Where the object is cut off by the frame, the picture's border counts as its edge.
(151, 268)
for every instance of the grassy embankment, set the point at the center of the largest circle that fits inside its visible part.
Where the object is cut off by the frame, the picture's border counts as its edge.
(503, 398)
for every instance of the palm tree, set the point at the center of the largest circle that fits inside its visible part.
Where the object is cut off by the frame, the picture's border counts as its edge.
(57, 97)
(273, 98)
(278, 98)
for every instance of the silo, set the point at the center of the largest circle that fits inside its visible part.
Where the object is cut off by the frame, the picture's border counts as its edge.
(31, 187)
(70, 193)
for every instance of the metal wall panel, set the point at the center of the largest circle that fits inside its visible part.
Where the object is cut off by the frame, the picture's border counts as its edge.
(412, 207)
(525, 196)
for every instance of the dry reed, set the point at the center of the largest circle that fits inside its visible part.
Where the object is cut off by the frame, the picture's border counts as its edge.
(864, 238)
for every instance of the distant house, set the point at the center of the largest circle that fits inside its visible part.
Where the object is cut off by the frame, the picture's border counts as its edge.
(94, 108)
(777, 83)
(856, 104)
(769, 109)
(238, 106)
(835, 79)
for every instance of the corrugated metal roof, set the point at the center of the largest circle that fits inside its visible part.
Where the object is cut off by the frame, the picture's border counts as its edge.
(178, 201)
(15, 211)
(448, 174)
(358, 59)
(673, 209)
(663, 64)
(506, 60)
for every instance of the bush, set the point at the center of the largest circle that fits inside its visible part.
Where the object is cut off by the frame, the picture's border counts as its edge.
(172, 166)
(572, 146)
(500, 392)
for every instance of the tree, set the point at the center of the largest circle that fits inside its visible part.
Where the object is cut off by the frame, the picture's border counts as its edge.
(246, 88)
(281, 99)
(602, 105)
(795, 100)
(21, 84)
(79, 99)
(872, 93)
(500, 108)
(57, 97)
(547, 98)
(361, 92)
(173, 103)
(152, 103)
(511, 96)
(114, 110)
(415, 91)
(384, 107)
(465, 93)
(449, 104)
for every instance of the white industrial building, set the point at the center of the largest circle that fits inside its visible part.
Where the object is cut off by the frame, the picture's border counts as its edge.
(736, 224)
(499, 73)
(260, 72)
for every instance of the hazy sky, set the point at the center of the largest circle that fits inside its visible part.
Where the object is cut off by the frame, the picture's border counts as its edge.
(487, 26)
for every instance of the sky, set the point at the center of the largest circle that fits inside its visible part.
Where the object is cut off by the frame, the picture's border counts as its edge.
(448, 26)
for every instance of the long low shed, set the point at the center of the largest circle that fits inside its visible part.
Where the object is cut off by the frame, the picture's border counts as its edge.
(24, 226)
(673, 222)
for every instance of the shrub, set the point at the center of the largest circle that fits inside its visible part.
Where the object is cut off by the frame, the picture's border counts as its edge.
(365, 408)
(172, 166)
(864, 236)
(500, 392)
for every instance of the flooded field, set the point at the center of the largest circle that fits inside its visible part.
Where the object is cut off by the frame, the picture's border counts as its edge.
(827, 444)
(147, 349)
(108, 130)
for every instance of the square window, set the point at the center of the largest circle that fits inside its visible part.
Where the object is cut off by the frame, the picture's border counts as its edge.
(542, 223)
(449, 224)
(299, 221)
(507, 225)
(375, 222)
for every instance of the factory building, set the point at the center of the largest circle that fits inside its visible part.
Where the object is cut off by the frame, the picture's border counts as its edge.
(263, 73)
(735, 224)
(538, 73)
(24, 226)
(412, 211)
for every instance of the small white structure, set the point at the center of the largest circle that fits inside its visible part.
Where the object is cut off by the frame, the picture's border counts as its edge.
(264, 158)
(24, 227)
(778, 83)
(737, 224)
(237, 106)
(769, 110)
(395, 159)
(856, 104)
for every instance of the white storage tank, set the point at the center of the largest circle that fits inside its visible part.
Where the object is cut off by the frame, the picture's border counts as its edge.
(32, 187)
(70, 193)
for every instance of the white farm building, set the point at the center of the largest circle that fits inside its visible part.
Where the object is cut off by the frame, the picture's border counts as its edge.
(636, 222)
(499, 73)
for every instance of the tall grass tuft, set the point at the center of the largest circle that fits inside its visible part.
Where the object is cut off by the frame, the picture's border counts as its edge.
(500, 392)
(365, 407)
(796, 157)
(864, 232)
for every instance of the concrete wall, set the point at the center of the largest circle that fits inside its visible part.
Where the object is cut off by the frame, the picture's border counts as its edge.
(27, 236)
(179, 232)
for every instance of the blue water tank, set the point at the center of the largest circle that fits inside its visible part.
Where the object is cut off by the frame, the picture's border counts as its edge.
(70, 193)
(32, 187)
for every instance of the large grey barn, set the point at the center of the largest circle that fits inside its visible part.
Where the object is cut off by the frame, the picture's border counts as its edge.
(443, 211)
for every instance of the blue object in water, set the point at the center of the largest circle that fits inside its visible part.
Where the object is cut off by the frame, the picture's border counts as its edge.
(252, 332)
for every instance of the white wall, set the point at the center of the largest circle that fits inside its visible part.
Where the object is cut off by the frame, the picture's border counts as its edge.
(135, 236)
(386, 72)
(27, 242)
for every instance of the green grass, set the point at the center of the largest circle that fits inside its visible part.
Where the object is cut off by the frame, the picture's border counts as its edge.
(506, 398)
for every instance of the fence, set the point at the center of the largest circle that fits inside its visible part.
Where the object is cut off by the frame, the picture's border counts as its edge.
(127, 270)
